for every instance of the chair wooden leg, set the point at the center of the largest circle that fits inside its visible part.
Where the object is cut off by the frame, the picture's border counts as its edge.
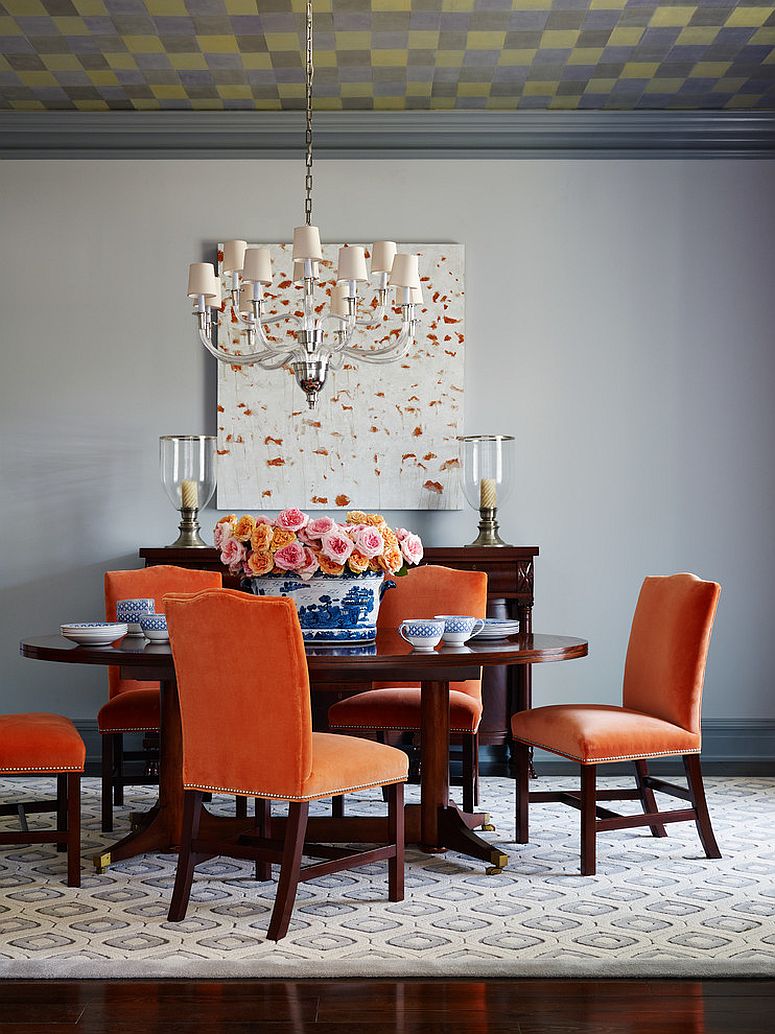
(61, 808)
(184, 876)
(522, 758)
(73, 791)
(337, 807)
(107, 782)
(396, 836)
(647, 799)
(693, 771)
(468, 773)
(263, 814)
(588, 820)
(476, 770)
(295, 828)
(118, 779)
(240, 807)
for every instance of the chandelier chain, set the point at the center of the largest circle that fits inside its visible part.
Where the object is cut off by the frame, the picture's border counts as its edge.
(308, 157)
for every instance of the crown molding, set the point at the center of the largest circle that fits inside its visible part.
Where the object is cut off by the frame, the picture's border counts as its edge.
(389, 134)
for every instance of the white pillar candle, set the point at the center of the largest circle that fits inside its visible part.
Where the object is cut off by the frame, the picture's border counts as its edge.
(306, 243)
(488, 498)
(189, 495)
(299, 269)
(352, 264)
(339, 306)
(201, 279)
(382, 255)
(234, 256)
(257, 267)
(405, 271)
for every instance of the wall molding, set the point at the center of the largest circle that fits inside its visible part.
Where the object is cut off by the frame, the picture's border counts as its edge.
(389, 134)
(731, 746)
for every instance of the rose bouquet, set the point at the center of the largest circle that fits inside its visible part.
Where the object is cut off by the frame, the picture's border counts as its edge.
(298, 544)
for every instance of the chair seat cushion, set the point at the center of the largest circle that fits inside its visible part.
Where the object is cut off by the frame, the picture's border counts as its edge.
(592, 733)
(399, 708)
(134, 710)
(40, 743)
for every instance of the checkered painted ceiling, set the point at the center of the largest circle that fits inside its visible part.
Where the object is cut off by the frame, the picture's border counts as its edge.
(387, 54)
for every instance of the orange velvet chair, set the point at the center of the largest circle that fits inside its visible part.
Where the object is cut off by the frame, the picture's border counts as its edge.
(422, 593)
(46, 744)
(247, 730)
(134, 706)
(660, 716)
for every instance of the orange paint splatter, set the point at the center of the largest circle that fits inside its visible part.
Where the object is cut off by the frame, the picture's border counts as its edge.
(429, 456)
(347, 407)
(248, 412)
(312, 423)
(322, 499)
(450, 464)
(220, 408)
(434, 486)
(223, 452)
(274, 441)
(373, 429)
(417, 432)
(278, 461)
(408, 456)
(321, 452)
(342, 500)
(266, 494)
(285, 284)
(450, 319)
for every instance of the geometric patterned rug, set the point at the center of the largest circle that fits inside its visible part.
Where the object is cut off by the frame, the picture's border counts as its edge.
(656, 908)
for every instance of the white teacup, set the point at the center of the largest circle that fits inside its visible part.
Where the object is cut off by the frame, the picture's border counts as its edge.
(458, 628)
(421, 633)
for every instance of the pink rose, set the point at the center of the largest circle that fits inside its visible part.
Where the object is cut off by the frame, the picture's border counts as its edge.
(337, 545)
(291, 519)
(232, 553)
(401, 534)
(310, 565)
(291, 558)
(411, 547)
(263, 519)
(319, 527)
(222, 533)
(369, 542)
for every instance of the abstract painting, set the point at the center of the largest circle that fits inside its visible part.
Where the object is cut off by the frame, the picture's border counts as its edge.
(382, 437)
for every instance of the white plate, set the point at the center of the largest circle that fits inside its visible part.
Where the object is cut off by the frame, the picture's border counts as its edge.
(102, 635)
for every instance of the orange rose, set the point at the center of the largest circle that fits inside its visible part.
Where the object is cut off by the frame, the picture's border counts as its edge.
(374, 565)
(356, 517)
(230, 517)
(328, 566)
(261, 539)
(244, 527)
(357, 562)
(281, 537)
(390, 537)
(391, 561)
(373, 519)
(260, 562)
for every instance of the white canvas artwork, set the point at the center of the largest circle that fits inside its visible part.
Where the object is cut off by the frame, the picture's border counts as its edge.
(382, 437)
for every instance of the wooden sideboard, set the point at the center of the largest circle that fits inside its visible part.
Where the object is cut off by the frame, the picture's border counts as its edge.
(510, 579)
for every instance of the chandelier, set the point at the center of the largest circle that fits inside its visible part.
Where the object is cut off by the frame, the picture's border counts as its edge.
(316, 342)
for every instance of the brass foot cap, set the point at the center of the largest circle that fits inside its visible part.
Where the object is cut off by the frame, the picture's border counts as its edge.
(493, 870)
(488, 827)
(101, 862)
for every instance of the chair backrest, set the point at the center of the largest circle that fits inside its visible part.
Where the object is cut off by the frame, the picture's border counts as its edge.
(665, 666)
(429, 590)
(244, 692)
(149, 583)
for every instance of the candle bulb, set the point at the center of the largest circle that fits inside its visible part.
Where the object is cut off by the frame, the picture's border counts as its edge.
(189, 495)
(488, 498)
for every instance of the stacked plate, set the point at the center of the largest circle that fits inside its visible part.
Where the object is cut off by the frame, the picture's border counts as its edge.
(94, 633)
(498, 628)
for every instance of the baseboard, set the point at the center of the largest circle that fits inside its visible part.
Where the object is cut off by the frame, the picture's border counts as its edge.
(731, 746)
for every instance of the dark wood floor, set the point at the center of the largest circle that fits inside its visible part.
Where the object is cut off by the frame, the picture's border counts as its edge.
(389, 1007)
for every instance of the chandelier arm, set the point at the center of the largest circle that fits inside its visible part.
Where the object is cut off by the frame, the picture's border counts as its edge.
(396, 350)
(248, 359)
(374, 320)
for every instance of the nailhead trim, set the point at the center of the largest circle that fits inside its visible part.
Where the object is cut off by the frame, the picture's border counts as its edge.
(617, 757)
(144, 728)
(37, 768)
(289, 797)
(402, 728)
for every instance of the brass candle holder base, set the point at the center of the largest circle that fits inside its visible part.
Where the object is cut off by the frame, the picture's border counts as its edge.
(189, 536)
(488, 528)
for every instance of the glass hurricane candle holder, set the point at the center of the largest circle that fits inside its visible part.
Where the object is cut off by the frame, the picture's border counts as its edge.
(487, 474)
(187, 463)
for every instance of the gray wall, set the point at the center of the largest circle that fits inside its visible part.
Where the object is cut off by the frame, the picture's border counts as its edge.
(620, 324)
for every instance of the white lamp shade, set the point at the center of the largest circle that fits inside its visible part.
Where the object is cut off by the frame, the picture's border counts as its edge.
(306, 243)
(257, 266)
(245, 298)
(201, 279)
(298, 270)
(352, 264)
(234, 256)
(382, 255)
(405, 271)
(214, 300)
(339, 306)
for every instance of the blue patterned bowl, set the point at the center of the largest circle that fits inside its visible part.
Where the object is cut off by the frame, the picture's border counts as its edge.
(459, 627)
(422, 633)
(132, 611)
(154, 627)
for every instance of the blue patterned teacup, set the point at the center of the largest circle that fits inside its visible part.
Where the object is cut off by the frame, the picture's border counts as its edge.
(132, 611)
(421, 633)
(458, 628)
(154, 627)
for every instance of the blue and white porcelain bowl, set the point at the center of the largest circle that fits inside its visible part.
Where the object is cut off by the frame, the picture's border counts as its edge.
(132, 611)
(94, 633)
(458, 628)
(422, 633)
(154, 627)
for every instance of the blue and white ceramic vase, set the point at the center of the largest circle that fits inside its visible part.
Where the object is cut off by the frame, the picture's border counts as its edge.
(332, 608)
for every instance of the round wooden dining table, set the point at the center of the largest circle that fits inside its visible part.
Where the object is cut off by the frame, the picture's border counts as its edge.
(436, 823)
